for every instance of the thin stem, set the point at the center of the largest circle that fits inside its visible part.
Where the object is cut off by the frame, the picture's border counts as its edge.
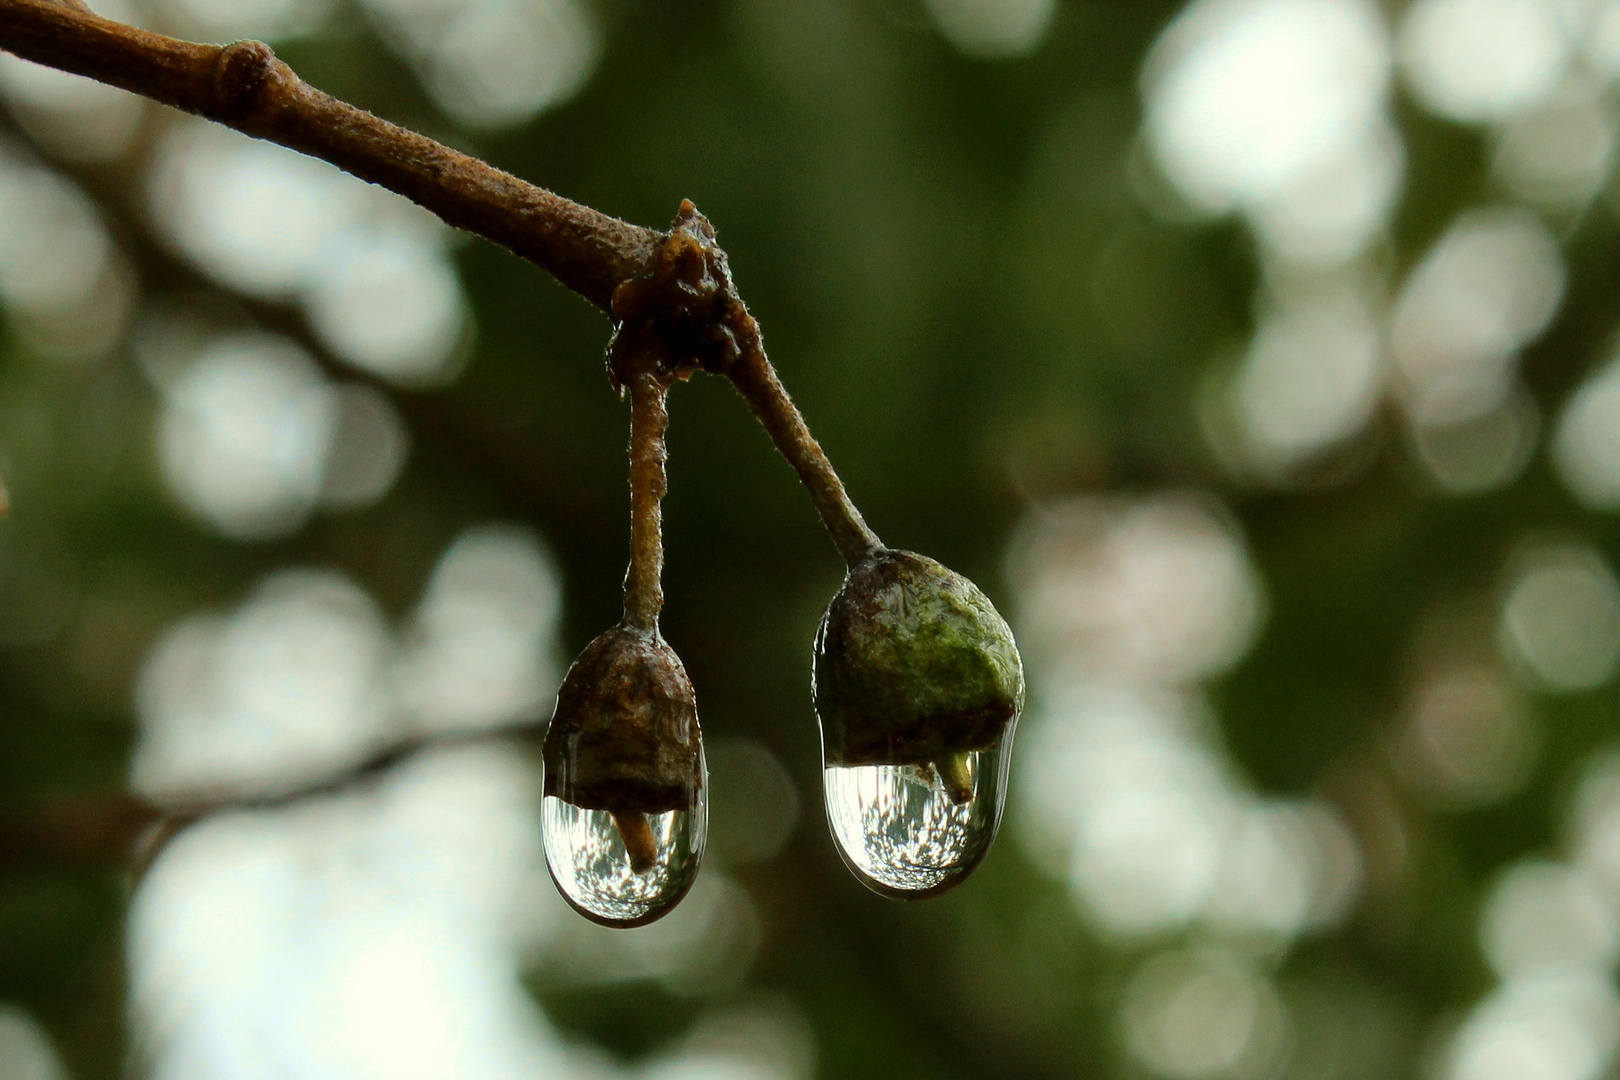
(756, 380)
(245, 87)
(649, 420)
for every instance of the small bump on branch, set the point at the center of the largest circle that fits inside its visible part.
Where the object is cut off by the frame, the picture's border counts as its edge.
(241, 75)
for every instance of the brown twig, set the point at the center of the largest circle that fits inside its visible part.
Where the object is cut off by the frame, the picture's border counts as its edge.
(245, 87)
(756, 380)
(649, 421)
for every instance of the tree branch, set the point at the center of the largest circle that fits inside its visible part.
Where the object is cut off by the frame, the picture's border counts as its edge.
(678, 282)
(245, 87)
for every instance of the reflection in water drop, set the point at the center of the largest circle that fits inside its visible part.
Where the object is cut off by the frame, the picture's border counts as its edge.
(626, 868)
(912, 831)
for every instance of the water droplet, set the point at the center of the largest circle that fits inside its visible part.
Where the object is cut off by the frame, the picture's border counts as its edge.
(912, 831)
(625, 868)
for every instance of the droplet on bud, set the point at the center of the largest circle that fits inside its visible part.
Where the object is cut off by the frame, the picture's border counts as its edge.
(625, 812)
(918, 685)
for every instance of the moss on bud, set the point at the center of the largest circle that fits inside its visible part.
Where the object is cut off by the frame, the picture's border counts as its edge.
(913, 666)
(624, 737)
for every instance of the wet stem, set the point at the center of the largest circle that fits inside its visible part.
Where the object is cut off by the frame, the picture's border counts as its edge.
(649, 421)
(756, 380)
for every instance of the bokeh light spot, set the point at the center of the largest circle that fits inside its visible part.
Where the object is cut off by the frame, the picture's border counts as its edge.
(493, 64)
(254, 216)
(1545, 916)
(1276, 106)
(285, 689)
(1479, 60)
(1160, 589)
(1480, 452)
(391, 305)
(71, 117)
(369, 268)
(244, 435)
(1189, 1015)
(357, 935)
(61, 278)
(1468, 740)
(1559, 153)
(481, 647)
(367, 450)
(1555, 1027)
(1310, 379)
(993, 28)
(26, 1052)
(1561, 619)
(753, 805)
(1487, 288)
(1586, 445)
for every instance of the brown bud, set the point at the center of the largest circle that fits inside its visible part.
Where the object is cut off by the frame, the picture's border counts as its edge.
(625, 737)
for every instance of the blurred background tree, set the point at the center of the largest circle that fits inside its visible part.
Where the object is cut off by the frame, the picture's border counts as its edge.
(1257, 356)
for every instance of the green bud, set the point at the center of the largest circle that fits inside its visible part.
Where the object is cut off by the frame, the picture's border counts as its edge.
(914, 666)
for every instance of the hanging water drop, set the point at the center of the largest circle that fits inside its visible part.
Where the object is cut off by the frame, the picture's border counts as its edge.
(918, 686)
(916, 830)
(625, 813)
(626, 867)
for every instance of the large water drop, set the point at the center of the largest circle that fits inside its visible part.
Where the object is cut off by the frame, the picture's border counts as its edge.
(624, 868)
(913, 831)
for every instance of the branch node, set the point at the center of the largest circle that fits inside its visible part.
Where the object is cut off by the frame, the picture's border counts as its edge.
(241, 74)
(679, 312)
